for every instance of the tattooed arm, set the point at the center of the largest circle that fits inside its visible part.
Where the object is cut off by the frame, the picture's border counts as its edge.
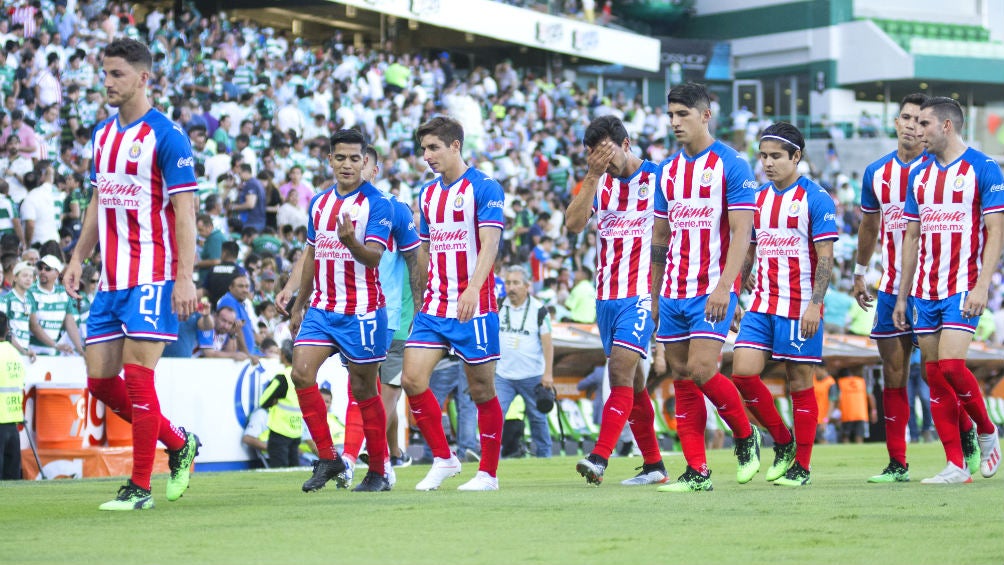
(416, 277)
(820, 282)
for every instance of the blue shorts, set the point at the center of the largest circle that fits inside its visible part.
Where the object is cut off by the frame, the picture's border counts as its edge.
(681, 319)
(142, 312)
(932, 316)
(476, 341)
(626, 322)
(883, 326)
(360, 338)
(781, 336)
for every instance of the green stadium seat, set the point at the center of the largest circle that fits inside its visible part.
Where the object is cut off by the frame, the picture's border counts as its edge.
(586, 408)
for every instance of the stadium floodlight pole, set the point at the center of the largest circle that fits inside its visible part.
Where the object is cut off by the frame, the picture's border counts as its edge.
(34, 450)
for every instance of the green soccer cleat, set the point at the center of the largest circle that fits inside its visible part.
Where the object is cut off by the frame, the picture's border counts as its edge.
(747, 452)
(970, 449)
(784, 456)
(689, 481)
(130, 497)
(895, 472)
(796, 476)
(180, 463)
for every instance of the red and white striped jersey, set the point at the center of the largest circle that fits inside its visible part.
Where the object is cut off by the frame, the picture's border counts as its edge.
(883, 189)
(786, 226)
(341, 284)
(135, 170)
(695, 195)
(450, 219)
(950, 203)
(625, 214)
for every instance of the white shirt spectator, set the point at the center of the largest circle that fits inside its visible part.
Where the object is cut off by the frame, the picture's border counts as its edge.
(40, 206)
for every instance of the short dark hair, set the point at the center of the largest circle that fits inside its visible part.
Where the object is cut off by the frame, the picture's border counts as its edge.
(787, 135)
(604, 127)
(134, 52)
(204, 219)
(946, 109)
(348, 137)
(443, 127)
(230, 249)
(370, 152)
(917, 98)
(691, 95)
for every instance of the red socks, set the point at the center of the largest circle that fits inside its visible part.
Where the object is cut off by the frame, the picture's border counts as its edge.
(945, 413)
(760, 402)
(145, 421)
(374, 424)
(642, 422)
(691, 418)
(969, 393)
(428, 414)
(615, 414)
(353, 428)
(806, 413)
(315, 414)
(112, 391)
(490, 420)
(726, 399)
(897, 414)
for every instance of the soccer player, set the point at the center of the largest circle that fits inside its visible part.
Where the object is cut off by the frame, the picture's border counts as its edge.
(460, 225)
(883, 195)
(794, 227)
(954, 230)
(704, 210)
(347, 232)
(618, 189)
(143, 215)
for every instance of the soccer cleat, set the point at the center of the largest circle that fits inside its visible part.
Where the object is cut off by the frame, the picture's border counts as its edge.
(403, 460)
(592, 468)
(388, 472)
(481, 481)
(795, 476)
(990, 453)
(747, 452)
(951, 474)
(894, 472)
(651, 474)
(441, 470)
(324, 471)
(689, 481)
(373, 482)
(970, 449)
(180, 462)
(349, 472)
(784, 456)
(130, 497)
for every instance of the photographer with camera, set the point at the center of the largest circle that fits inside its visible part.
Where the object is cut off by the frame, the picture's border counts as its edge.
(527, 355)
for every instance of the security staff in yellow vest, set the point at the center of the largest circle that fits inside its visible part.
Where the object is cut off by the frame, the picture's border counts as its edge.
(11, 412)
(285, 422)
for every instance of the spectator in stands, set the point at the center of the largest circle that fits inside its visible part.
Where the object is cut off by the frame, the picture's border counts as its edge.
(18, 307)
(54, 312)
(581, 302)
(10, 219)
(228, 338)
(857, 407)
(42, 208)
(218, 280)
(211, 250)
(285, 422)
(194, 334)
(238, 292)
(250, 200)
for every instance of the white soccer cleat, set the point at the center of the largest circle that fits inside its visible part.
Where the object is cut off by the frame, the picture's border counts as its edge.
(951, 474)
(441, 470)
(347, 475)
(388, 471)
(990, 454)
(481, 481)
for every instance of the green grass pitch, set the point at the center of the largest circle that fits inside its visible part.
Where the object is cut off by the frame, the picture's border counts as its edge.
(544, 513)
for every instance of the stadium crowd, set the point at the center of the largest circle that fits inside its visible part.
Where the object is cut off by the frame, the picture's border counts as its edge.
(258, 106)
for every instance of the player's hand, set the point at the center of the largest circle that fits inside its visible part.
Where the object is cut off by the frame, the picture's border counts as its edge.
(899, 315)
(184, 300)
(861, 294)
(599, 157)
(810, 321)
(467, 306)
(717, 305)
(975, 303)
(737, 317)
(31, 355)
(255, 360)
(346, 231)
(295, 319)
(71, 278)
(750, 283)
(282, 299)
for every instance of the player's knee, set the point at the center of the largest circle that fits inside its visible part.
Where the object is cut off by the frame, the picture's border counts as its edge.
(301, 378)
